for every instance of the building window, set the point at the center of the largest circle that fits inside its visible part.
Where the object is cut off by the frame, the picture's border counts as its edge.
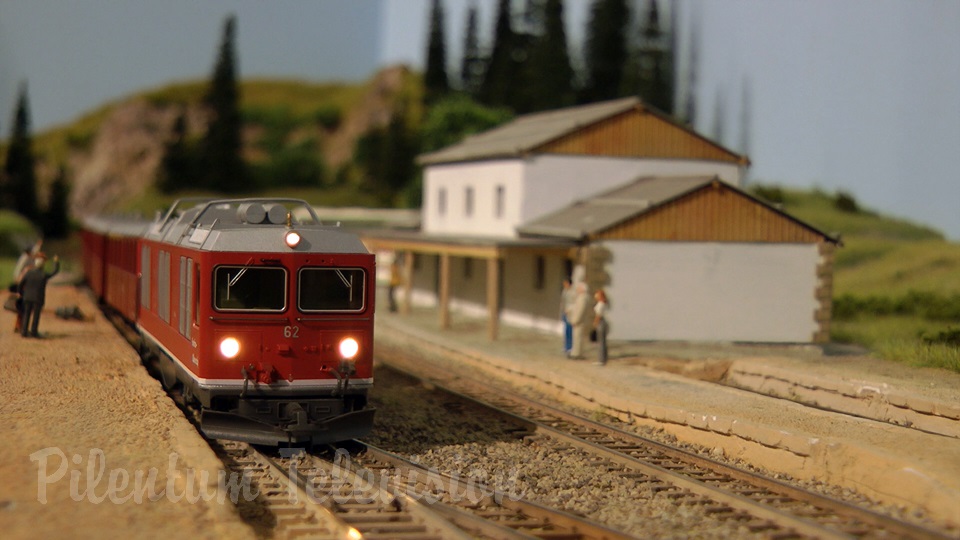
(467, 268)
(539, 272)
(498, 203)
(442, 201)
(468, 202)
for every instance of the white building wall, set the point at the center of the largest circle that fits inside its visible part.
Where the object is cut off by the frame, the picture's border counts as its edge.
(483, 178)
(712, 291)
(534, 187)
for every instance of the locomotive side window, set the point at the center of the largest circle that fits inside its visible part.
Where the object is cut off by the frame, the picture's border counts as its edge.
(163, 286)
(332, 289)
(145, 277)
(250, 288)
(186, 295)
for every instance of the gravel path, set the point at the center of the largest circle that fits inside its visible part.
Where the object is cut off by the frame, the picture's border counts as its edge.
(78, 400)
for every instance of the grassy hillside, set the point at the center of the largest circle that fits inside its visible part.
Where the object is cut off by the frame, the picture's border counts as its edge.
(296, 134)
(896, 283)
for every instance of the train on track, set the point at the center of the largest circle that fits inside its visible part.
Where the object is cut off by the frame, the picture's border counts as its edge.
(260, 315)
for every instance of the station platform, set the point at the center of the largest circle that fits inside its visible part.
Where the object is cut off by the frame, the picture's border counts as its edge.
(90, 445)
(818, 414)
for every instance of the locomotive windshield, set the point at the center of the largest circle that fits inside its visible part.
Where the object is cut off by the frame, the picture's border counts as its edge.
(250, 288)
(332, 289)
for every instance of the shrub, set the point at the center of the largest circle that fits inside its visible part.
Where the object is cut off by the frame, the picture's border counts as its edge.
(928, 305)
(329, 117)
(950, 336)
(298, 166)
(771, 194)
(846, 203)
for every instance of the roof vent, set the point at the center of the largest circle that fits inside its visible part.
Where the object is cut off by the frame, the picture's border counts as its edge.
(252, 213)
(276, 213)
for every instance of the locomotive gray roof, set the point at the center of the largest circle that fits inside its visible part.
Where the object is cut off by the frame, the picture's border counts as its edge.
(239, 225)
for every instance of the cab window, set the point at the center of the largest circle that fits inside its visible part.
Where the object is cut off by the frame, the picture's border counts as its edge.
(332, 289)
(250, 288)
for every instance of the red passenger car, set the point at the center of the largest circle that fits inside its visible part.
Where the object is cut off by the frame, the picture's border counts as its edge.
(261, 314)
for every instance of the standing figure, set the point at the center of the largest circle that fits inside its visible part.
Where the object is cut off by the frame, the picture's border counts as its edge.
(395, 281)
(26, 260)
(33, 292)
(600, 325)
(578, 317)
(566, 303)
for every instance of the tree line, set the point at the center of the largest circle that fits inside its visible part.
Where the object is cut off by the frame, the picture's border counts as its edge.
(526, 67)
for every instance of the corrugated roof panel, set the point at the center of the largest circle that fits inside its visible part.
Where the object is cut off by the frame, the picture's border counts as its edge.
(607, 209)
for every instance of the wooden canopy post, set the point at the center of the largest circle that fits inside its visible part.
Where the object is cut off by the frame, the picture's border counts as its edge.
(444, 291)
(493, 298)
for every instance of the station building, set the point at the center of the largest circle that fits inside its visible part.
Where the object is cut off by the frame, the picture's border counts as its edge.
(644, 207)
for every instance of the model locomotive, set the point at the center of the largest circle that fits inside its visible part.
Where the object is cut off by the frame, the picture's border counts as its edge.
(261, 315)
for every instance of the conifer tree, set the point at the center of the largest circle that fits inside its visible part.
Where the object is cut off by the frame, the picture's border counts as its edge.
(387, 156)
(56, 219)
(471, 67)
(500, 79)
(690, 106)
(176, 169)
(549, 75)
(719, 131)
(20, 173)
(222, 161)
(653, 69)
(435, 81)
(606, 49)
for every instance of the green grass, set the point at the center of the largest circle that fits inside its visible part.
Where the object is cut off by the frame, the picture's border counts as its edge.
(16, 233)
(901, 339)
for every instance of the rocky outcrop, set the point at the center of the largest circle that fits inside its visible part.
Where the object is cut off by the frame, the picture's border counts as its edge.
(122, 160)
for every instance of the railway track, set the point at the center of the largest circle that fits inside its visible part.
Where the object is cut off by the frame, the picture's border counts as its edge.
(763, 505)
(477, 509)
(381, 496)
(304, 496)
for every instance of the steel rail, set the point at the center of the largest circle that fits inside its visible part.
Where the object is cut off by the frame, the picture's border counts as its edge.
(808, 513)
(312, 497)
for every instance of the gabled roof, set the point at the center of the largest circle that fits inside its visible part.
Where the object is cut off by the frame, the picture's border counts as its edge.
(529, 133)
(601, 213)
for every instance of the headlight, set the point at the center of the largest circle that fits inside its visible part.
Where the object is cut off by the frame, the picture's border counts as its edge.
(292, 239)
(349, 348)
(229, 347)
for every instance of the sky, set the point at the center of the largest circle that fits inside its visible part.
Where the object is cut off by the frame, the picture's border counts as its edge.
(855, 95)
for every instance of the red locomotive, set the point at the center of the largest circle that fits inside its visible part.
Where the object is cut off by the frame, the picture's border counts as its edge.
(261, 314)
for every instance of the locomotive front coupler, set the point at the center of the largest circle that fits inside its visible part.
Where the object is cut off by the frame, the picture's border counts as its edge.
(246, 380)
(345, 370)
